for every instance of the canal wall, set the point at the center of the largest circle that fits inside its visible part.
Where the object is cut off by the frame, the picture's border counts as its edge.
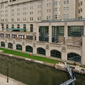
(58, 66)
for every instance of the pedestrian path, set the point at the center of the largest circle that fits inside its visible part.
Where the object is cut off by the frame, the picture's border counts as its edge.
(3, 81)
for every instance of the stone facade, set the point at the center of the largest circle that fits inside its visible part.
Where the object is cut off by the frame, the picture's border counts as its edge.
(53, 26)
(65, 45)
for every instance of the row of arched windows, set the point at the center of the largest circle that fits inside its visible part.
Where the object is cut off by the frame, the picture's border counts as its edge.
(53, 53)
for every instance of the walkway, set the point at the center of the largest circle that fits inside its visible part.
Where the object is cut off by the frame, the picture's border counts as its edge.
(3, 81)
(73, 79)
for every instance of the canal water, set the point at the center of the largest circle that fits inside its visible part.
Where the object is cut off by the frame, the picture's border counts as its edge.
(35, 74)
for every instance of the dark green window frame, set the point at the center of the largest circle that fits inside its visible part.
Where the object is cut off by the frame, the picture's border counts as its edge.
(29, 49)
(75, 31)
(44, 33)
(19, 47)
(56, 32)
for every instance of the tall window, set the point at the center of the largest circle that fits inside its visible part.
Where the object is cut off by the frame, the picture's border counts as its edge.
(44, 32)
(67, 1)
(12, 26)
(31, 27)
(7, 27)
(24, 26)
(75, 31)
(2, 27)
(18, 26)
(56, 32)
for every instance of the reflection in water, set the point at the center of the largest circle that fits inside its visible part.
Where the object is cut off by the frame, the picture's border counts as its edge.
(35, 74)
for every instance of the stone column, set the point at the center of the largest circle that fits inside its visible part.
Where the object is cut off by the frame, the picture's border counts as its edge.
(64, 53)
(5, 35)
(34, 48)
(50, 33)
(37, 33)
(6, 43)
(84, 28)
(23, 46)
(47, 51)
(65, 32)
(14, 45)
(10, 35)
(0, 27)
(83, 51)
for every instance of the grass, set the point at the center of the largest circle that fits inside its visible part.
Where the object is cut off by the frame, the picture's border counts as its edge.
(26, 55)
(82, 66)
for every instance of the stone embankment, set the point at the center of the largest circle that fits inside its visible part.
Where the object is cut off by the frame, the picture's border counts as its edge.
(58, 66)
(75, 68)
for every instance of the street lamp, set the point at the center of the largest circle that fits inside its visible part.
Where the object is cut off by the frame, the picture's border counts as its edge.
(7, 73)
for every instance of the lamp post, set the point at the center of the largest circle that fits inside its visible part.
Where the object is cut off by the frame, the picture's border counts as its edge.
(7, 73)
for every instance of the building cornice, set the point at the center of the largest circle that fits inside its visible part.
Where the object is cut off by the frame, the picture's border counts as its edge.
(21, 2)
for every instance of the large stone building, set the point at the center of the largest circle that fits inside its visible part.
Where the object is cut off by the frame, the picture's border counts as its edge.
(53, 28)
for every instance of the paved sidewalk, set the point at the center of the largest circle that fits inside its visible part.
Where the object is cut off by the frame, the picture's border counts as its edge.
(3, 81)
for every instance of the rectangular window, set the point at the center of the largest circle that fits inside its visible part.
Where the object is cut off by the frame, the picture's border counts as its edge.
(20, 36)
(14, 36)
(67, 1)
(56, 32)
(43, 33)
(29, 37)
(75, 31)
(7, 35)
(1, 35)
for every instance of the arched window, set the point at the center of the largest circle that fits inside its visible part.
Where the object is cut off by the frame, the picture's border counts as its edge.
(2, 27)
(19, 47)
(10, 45)
(41, 51)
(29, 49)
(2, 44)
(24, 26)
(31, 27)
(18, 26)
(12, 25)
(55, 53)
(7, 27)
(74, 57)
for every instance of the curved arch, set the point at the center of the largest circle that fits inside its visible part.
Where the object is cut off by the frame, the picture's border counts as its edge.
(29, 49)
(10, 45)
(19, 47)
(55, 53)
(74, 57)
(41, 51)
(2, 44)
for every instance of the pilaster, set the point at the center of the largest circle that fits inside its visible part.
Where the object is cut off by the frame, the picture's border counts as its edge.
(50, 33)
